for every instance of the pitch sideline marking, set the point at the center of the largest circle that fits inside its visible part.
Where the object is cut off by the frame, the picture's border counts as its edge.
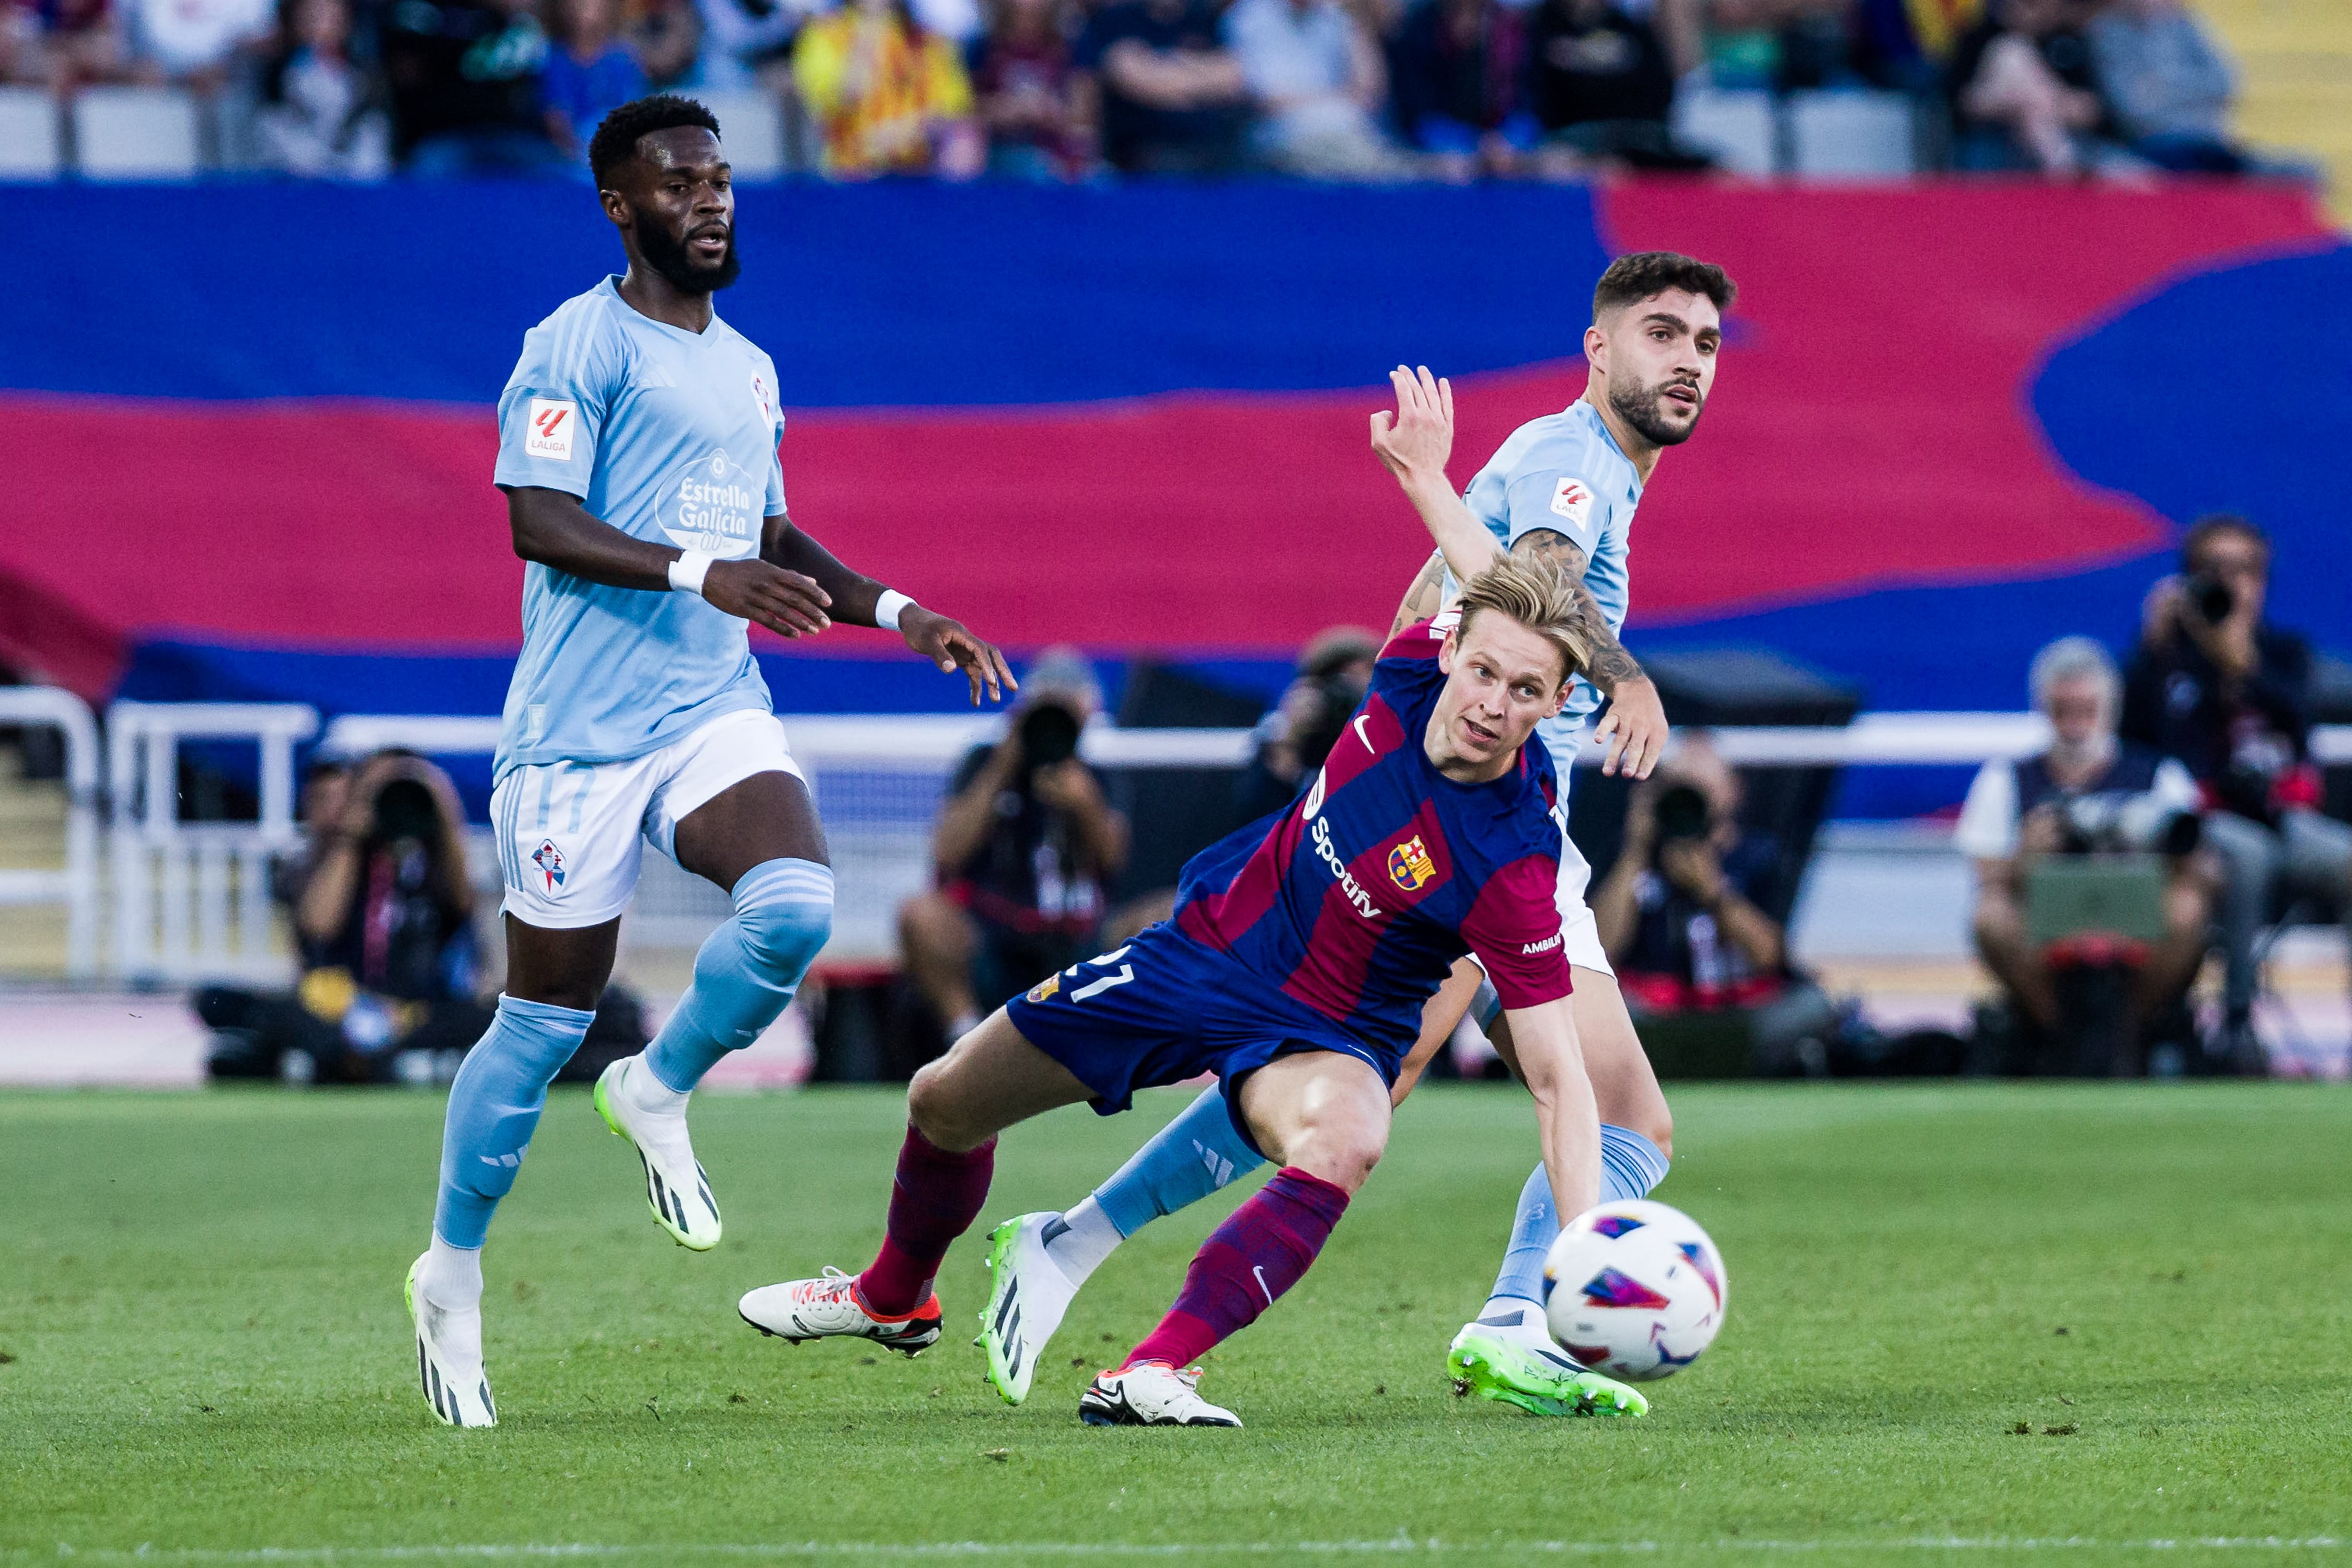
(1399, 1545)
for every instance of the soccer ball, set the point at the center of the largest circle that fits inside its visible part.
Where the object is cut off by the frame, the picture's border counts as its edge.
(1633, 1289)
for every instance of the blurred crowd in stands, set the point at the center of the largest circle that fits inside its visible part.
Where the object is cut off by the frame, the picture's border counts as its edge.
(1074, 89)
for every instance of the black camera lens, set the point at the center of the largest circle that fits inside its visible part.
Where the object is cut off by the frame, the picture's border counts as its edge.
(2211, 598)
(1682, 812)
(1049, 736)
(404, 809)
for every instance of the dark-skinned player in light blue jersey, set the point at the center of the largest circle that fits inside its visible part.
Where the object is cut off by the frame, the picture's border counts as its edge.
(1301, 954)
(1562, 490)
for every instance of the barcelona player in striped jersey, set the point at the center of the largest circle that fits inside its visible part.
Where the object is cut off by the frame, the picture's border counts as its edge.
(1297, 966)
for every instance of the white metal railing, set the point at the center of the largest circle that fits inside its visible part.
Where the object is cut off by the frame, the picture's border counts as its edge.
(177, 884)
(192, 899)
(75, 884)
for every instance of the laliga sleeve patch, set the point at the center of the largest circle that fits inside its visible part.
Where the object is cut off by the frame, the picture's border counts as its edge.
(552, 421)
(1571, 498)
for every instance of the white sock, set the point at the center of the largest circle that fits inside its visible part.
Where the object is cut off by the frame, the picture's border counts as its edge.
(1517, 1310)
(648, 1094)
(1091, 1237)
(452, 1276)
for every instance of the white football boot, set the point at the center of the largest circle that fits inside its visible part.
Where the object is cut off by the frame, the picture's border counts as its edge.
(1150, 1394)
(449, 1360)
(828, 1308)
(677, 1190)
(1028, 1295)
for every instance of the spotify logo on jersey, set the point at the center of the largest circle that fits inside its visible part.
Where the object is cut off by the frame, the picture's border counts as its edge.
(711, 505)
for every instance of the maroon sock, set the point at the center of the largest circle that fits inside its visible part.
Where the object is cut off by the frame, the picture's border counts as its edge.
(935, 1199)
(1258, 1254)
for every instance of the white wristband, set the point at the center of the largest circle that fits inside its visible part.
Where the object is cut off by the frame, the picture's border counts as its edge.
(890, 606)
(687, 573)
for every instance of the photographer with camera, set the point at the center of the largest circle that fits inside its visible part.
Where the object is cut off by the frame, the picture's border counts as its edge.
(1681, 914)
(2090, 794)
(2216, 686)
(383, 913)
(1025, 846)
(1334, 670)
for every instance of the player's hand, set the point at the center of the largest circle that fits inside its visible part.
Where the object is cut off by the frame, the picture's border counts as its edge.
(785, 602)
(1415, 443)
(1634, 729)
(944, 641)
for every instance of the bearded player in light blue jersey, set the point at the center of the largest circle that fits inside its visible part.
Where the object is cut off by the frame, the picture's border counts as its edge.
(1562, 490)
(637, 452)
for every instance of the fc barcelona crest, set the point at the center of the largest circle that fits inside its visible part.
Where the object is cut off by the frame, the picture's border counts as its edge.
(1409, 866)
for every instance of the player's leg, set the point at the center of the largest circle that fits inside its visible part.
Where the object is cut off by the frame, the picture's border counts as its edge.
(992, 1079)
(1325, 1116)
(1038, 1261)
(731, 809)
(568, 856)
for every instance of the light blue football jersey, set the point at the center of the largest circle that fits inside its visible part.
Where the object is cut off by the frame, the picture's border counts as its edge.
(669, 435)
(1565, 472)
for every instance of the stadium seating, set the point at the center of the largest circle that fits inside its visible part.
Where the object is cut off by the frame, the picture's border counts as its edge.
(1739, 129)
(136, 133)
(1851, 136)
(31, 146)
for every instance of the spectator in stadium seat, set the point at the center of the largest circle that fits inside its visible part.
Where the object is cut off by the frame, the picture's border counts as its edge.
(2171, 85)
(1460, 71)
(1027, 86)
(464, 80)
(589, 72)
(1317, 82)
(1601, 86)
(2011, 818)
(1171, 99)
(2025, 94)
(1785, 46)
(197, 44)
(1024, 847)
(2216, 685)
(890, 96)
(322, 116)
(62, 44)
(748, 44)
(668, 39)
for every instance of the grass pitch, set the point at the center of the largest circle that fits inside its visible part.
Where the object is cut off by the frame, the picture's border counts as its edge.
(207, 1358)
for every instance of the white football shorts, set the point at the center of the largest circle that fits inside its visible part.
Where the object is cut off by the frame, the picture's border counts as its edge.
(570, 834)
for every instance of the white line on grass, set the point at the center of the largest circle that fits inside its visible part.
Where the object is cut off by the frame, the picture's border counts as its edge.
(1397, 1545)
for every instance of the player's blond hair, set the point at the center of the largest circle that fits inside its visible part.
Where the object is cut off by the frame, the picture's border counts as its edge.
(1540, 599)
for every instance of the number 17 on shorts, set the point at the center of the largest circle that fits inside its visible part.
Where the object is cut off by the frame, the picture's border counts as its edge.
(1087, 979)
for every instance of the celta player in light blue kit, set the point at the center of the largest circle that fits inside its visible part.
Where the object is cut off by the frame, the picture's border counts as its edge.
(637, 451)
(1562, 490)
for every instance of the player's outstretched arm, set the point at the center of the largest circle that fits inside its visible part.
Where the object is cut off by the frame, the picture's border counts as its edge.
(1414, 444)
(553, 529)
(855, 597)
(1568, 1119)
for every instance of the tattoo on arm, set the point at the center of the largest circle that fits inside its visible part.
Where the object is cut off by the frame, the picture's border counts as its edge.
(1424, 598)
(1611, 662)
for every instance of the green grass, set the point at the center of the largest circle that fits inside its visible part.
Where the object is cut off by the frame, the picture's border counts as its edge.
(201, 1296)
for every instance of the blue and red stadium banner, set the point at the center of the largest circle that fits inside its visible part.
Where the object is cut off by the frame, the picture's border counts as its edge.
(251, 438)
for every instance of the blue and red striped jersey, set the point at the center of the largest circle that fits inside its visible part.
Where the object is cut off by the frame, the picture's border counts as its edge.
(1358, 899)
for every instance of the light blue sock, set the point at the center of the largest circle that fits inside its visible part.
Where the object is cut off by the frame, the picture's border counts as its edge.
(493, 1106)
(747, 969)
(1630, 1166)
(1186, 1161)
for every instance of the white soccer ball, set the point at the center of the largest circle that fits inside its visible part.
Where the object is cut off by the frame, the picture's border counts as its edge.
(1635, 1289)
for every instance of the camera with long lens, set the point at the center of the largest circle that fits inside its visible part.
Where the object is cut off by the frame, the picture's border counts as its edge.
(2208, 598)
(2117, 822)
(1682, 812)
(404, 808)
(1049, 736)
